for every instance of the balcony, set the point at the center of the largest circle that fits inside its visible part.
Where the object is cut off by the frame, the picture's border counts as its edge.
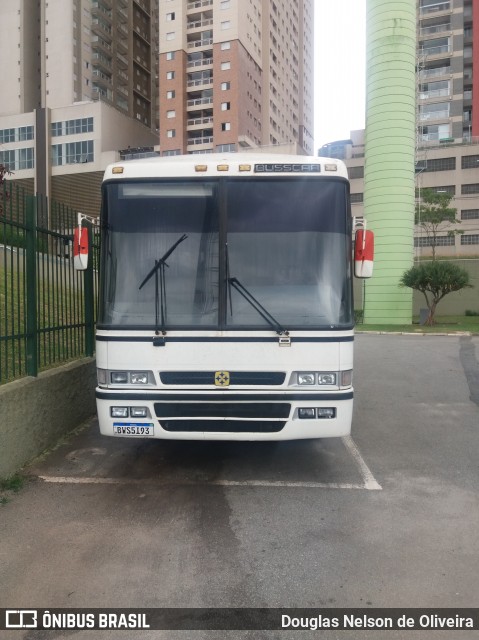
(200, 82)
(203, 62)
(198, 4)
(434, 115)
(98, 42)
(434, 73)
(434, 93)
(142, 4)
(435, 7)
(200, 122)
(436, 51)
(198, 24)
(101, 78)
(198, 102)
(437, 28)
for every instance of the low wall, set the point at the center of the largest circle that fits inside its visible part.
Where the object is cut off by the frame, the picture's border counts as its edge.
(36, 412)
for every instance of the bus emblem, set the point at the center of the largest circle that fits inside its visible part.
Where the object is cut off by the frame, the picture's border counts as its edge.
(222, 378)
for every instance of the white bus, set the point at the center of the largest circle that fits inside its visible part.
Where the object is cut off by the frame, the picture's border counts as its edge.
(226, 304)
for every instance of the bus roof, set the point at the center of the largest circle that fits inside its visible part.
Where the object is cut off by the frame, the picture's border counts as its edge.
(221, 164)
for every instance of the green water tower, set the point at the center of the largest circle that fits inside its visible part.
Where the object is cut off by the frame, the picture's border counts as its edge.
(389, 155)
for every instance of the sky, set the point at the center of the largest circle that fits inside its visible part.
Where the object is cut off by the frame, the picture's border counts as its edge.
(339, 69)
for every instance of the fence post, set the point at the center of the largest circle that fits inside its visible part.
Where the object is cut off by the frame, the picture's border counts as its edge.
(31, 284)
(89, 298)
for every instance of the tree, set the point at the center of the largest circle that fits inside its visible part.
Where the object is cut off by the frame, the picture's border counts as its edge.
(434, 215)
(435, 280)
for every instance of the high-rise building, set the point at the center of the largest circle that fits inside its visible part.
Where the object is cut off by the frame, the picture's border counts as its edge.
(235, 75)
(447, 127)
(79, 83)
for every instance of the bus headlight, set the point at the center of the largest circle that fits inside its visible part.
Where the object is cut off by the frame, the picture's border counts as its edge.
(326, 378)
(315, 378)
(132, 377)
(139, 377)
(306, 378)
(119, 377)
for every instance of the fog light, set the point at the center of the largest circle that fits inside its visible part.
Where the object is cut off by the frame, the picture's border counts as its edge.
(326, 412)
(101, 376)
(139, 377)
(119, 377)
(347, 378)
(307, 413)
(119, 412)
(138, 412)
(306, 378)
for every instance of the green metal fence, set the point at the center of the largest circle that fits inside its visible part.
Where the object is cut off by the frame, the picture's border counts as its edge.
(47, 309)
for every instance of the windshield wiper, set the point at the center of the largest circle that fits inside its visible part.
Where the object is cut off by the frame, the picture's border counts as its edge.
(264, 313)
(160, 285)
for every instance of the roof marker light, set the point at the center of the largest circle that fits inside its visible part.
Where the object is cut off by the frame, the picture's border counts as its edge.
(330, 167)
(117, 170)
(201, 167)
(223, 167)
(245, 167)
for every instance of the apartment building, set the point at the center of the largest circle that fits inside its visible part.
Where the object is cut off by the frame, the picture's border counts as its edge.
(447, 156)
(235, 75)
(79, 84)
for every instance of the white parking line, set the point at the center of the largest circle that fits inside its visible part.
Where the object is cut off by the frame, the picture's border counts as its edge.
(369, 482)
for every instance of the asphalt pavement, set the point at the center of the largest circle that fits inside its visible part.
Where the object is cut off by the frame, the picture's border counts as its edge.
(387, 518)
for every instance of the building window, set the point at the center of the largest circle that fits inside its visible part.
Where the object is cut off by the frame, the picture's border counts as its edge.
(470, 214)
(172, 152)
(470, 188)
(225, 46)
(170, 16)
(226, 148)
(355, 172)
(225, 66)
(450, 189)
(25, 158)
(225, 106)
(470, 162)
(25, 133)
(7, 135)
(72, 153)
(170, 75)
(170, 95)
(470, 239)
(170, 55)
(171, 133)
(356, 198)
(226, 126)
(225, 4)
(7, 158)
(440, 164)
(226, 24)
(171, 113)
(170, 35)
(439, 241)
(225, 86)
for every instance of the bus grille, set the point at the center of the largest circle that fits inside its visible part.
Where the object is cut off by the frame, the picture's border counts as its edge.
(253, 378)
(222, 426)
(251, 410)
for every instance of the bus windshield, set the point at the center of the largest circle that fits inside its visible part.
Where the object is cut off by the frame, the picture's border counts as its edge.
(286, 241)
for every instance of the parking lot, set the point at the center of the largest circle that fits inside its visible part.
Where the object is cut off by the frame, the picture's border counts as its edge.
(386, 518)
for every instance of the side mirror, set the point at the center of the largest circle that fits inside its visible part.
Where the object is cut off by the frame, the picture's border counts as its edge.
(363, 254)
(80, 248)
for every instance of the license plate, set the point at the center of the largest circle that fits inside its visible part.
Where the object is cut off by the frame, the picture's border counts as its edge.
(144, 430)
